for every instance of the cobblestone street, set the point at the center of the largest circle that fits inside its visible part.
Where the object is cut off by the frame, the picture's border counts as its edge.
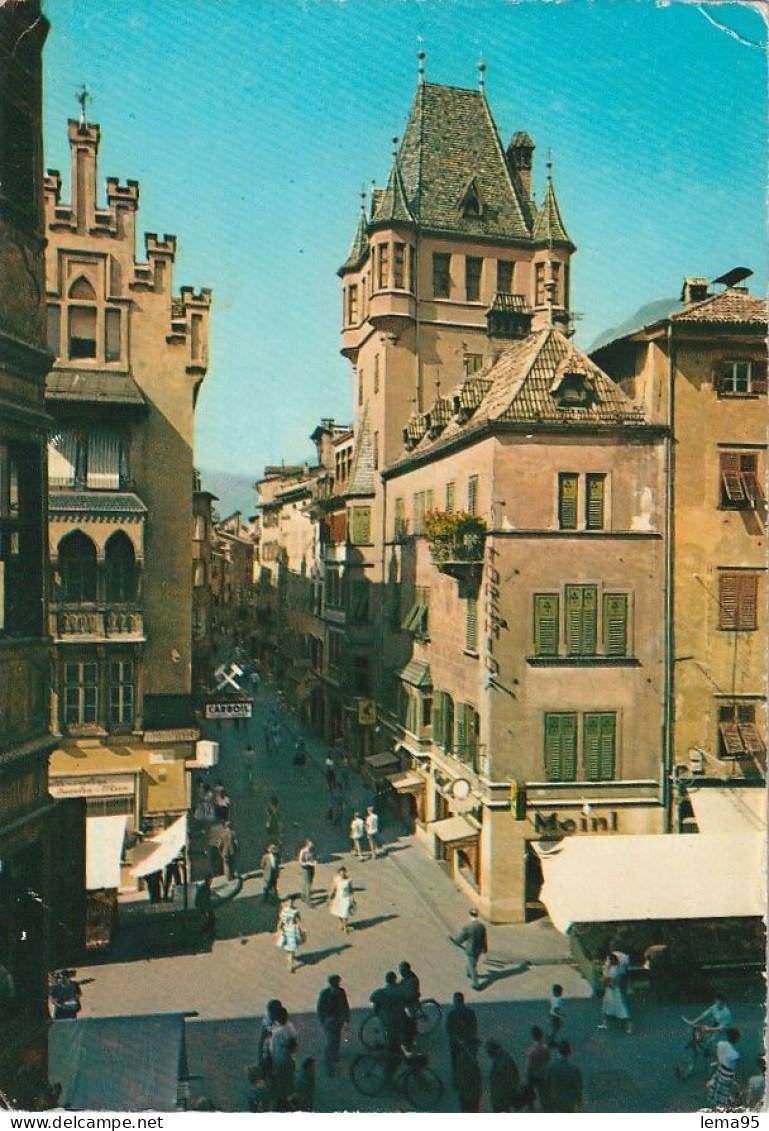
(406, 908)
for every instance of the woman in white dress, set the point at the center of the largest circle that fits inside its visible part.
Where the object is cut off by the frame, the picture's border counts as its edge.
(341, 901)
(289, 933)
(614, 1004)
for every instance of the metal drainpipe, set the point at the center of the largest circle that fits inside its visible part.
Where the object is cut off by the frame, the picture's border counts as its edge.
(667, 745)
(382, 610)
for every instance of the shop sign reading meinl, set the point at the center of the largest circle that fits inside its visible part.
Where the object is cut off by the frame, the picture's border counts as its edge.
(553, 824)
(232, 709)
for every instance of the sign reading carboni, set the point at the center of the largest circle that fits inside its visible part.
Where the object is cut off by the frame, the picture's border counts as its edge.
(554, 824)
(238, 709)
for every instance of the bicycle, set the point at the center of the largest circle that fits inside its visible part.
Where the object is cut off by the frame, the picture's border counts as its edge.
(428, 1014)
(697, 1049)
(413, 1078)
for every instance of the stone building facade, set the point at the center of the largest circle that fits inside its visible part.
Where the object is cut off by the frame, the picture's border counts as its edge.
(131, 355)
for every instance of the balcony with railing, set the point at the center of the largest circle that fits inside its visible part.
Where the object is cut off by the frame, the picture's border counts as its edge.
(88, 623)
(457, 543)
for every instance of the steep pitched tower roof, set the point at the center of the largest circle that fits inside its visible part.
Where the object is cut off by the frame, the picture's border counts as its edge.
(451, 143)
(549, 227)
(359, 246)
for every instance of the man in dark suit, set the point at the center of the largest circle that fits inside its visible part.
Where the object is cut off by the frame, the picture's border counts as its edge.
(472, 938)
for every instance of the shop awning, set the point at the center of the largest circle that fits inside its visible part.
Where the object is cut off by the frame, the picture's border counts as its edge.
(103, 849)
(118, 1063)
(454, 829)
(416, 673)
(725, 809)
(381, 761)
(615, 878)
(165, 847)
(406, 782)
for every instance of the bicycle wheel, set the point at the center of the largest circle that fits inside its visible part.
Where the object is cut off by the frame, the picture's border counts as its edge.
(428, 1017)
(372, 1033)
(369, 1074)
(424, 1088)
(685, 1062)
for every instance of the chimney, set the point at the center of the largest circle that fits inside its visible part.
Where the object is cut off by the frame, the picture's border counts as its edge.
(694, 290)
(84, 146)
(519, 155)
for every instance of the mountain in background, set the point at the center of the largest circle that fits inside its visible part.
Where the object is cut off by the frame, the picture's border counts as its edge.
(647, 315)
(234, 492)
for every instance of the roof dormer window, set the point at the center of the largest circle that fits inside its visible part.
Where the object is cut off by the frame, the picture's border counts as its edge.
(573, 385)
(471, 204)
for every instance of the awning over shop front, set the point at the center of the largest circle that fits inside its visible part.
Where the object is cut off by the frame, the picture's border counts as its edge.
(165, 847)
(453, 830)
(616, 878)
(719, 809)
(118, 1063)
(416, 673)
(381, 761)
(406, 782)
(103, 849)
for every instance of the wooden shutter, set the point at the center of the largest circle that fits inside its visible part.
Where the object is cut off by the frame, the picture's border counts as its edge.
(728, 596)
(731, 479)
(450, 497)
(361, 525)
(471, 625)
(731, 739)
(439, 717)
(581, 619)
(591, 747)
(546, 624)
(462, 731)
(560, 747)
(615, 624)
(747, 601)
(751, 739)
(448, 724)
(472, 494)
(722, 375)
(758, 376)
(567, 500)
(595, 502)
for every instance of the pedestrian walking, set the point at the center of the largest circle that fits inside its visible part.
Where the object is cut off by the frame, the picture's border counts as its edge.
(303, 1098)
(249, 768)
(613, 1003)
(228, 846)
(473, 940)
(272, 821)
(372, 831)
(172, 878)
(537, 1057)
(357, 832)
(555, 1013)
(221, 803)
(341, 901)
(154, 883)
(204, 904)
(563, 1081)
(504, 1079)
(723, 1091)
(289, 932)
(214, 849)
(333, 1011)
(283, 1047)
(270, 872)
(468, 1082)
(307, 862)
(461, 1027)
(204, 804)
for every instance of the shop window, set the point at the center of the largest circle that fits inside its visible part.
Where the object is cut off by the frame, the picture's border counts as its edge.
(81, 694)
(738, 734)
(441, 274)
(568, 489)
(505, 269)
(77, 568)
(121, 693)
(738, 480)
(581, 613)
(473, 269)
(738, 601)
(599, 733)
(561, 746)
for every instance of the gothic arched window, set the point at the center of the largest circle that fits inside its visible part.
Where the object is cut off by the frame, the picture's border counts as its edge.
(77, 565)
(120, 568)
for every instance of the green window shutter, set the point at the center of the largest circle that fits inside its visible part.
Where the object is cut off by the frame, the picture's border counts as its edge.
(608, 745)
(589, 620)
(450, 497)
(546, 624)
(594, 516)
(561, 746)
(471, 625)
(591, 747)
(573, 620)
(569, 747)
(567, 500)
(428, 500)
(399, 523)
(553, 747)
(472, 495)
(615, 624)
(448, 724)
(361, 525)
(438, 717)
(462, 731)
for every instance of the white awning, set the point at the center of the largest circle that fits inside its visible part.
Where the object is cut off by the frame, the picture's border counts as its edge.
(606, 879)
(166, 846)
(454, 829)
(103, 849)
(726, 809)
(406, 781)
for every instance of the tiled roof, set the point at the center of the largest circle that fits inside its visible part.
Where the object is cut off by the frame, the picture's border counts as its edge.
(359, 246)
(731, 306)
(451, 140)
(393, 206)
(523, 386)
(362, 473)
(548, 224)
(100, 385)
(90, 502)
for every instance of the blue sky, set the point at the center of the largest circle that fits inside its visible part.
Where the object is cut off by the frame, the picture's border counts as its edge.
(252, 127)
